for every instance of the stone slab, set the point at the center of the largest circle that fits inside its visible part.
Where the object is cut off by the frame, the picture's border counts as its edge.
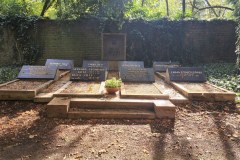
(37, 72)
(186, 74)
(88, 74)
(60, 64)
(114, 46)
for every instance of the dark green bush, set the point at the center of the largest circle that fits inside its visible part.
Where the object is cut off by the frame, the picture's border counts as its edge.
(223, 75)
(8, 73)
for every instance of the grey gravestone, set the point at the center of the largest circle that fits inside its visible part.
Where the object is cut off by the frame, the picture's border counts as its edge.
(37, 72)
(114, 46)
(60, 63)
(186, 74)
(163, 66)
(128, 74)
(88, 74)
(130, 64)
(95, 64)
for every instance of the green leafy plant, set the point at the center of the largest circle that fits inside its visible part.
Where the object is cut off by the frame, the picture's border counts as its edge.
(113, 83)
(8, 73)
(223, 75)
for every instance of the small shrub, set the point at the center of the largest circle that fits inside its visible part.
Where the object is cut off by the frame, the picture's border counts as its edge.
(113, 83)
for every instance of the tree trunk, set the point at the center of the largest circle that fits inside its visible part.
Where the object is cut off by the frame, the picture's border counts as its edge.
(193, 5)
(167, 8)
(143, 2)
(183, 8)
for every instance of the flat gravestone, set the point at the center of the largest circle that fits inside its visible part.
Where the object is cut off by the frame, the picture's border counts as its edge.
(37, 72)
(186, 74)
(88, 74)
(60, 63)
(114, 46)
(130, 64)
(95, 64)
(163, 66)
(134, 74)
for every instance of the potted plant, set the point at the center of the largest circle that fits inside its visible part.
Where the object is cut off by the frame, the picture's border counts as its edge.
(113, 85)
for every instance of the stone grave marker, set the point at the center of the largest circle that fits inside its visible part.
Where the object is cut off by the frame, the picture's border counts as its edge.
(60, 63)
(186, 74)
(88, 74)
(114, 46)
(134, 74)
(37, 72)
(130, 64)
(162, 66)
(95, 64)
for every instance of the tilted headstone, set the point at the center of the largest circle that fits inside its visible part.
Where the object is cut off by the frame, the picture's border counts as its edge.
(95, 64)
(186, 74)
(114, 46)
(88, 74)
(134, 74)
(163, 66)
(60, 63)
(37, 72)
(130, 64)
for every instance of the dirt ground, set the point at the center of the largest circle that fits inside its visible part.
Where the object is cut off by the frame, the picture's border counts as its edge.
(201, 131)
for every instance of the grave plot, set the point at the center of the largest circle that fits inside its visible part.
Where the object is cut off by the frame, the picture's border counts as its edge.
(32, 80)
(85, 82)
(191, 82)
(139, 83)
(22, 89)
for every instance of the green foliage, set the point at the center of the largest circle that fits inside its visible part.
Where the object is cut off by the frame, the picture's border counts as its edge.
(236, 4)
(113, 83)
(23, 7)
(24, 29)
(8, 73)
(223, 75)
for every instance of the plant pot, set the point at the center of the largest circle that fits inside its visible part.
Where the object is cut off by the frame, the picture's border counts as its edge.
(112, 90)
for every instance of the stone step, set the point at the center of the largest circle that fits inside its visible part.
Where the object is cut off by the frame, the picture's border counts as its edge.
(111, 104)
(111, 113)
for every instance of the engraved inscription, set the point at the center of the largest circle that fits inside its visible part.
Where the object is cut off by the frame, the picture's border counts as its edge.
(60, 63)
(137, 74)
(186, 74)
(37, 72)
(88, 74)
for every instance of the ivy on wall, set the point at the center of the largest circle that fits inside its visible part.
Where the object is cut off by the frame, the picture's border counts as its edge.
(24, 29)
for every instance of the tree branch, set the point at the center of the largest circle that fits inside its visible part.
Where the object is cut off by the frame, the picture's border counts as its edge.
(227, 8)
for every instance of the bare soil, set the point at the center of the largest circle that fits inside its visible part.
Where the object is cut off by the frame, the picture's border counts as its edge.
(83, 87)
(24, 85)
(141, 88)
(54, 87)
(201, 131)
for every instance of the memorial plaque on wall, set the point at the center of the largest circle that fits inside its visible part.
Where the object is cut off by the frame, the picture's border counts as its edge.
(88, 74)
(130, 64)
(114, 46)
(95, 64)
(128, 74)
(37, 72)
(60, 63)
(163, 66)
(186, 74)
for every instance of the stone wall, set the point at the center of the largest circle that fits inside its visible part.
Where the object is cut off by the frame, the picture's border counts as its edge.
(189, 42)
